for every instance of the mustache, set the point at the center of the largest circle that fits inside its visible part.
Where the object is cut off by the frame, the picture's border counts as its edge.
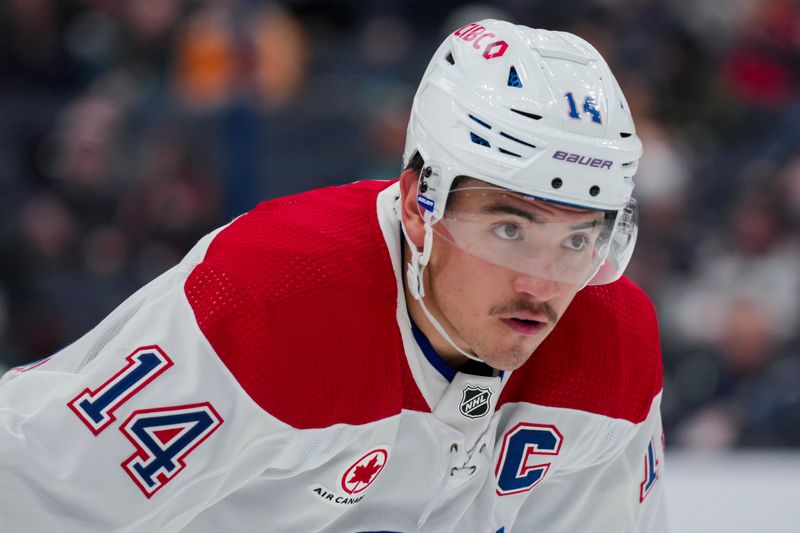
(526, 305)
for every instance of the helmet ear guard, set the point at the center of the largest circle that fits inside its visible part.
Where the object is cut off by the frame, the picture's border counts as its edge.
(431, 198)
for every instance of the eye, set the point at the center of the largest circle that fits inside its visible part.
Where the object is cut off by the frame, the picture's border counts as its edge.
(576, 241)
(507, 232)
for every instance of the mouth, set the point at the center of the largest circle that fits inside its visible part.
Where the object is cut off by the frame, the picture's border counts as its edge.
(525, 326)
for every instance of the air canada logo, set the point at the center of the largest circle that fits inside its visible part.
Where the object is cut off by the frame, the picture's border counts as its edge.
(355, 480)
(475, 401)
(364, 471)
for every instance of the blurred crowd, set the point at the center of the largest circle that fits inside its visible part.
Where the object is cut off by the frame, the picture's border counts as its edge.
(130, 128)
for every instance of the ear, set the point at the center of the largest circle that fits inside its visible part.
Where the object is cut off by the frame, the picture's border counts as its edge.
(415, 225)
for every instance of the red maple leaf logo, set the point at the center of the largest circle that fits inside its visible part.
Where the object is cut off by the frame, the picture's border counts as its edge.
(364, 471)
(364, 474)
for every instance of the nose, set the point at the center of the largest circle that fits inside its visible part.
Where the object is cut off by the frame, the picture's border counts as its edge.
(541, 290)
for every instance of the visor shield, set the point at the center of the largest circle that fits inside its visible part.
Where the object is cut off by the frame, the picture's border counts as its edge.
(534, 237)
(620, 249)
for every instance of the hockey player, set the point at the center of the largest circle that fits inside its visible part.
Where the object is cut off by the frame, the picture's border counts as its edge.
(453, 351)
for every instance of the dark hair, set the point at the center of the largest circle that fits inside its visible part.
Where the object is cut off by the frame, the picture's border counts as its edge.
(416, 163)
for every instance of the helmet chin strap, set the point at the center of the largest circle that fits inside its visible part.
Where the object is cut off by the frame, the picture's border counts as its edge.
(416, 286)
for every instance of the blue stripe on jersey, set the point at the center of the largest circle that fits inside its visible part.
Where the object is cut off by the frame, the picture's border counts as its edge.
(434, 358)
(430, 354)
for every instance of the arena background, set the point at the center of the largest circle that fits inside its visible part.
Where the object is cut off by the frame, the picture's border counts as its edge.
(130, 128)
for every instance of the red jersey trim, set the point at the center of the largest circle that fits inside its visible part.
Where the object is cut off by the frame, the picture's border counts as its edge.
(603, 357)
(298, 298)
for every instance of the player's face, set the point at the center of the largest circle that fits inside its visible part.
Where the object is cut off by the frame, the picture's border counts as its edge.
(499, 314)
(503, 314)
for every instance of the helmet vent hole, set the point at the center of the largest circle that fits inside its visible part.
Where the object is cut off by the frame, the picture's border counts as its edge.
(504, 151)
(625, 134)
(507, 136)
(595, 190)
(477, 139)
(557, 183)
(449, 58)
(513, 78)
(531, 116)
(479, 121)
(625, 165)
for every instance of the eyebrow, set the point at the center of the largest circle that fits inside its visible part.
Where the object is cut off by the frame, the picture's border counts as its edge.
(532, 217)
(587, 225)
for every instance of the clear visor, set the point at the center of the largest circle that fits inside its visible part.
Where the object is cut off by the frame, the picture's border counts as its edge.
(534, 237)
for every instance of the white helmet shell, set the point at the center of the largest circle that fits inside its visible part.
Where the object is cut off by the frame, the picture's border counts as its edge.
(534, 111)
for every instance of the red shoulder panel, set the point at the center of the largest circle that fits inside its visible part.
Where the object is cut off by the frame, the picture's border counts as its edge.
(298, 298)
(603, 356)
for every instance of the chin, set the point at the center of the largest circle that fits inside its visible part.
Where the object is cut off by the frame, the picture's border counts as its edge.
(508, 361)
(506, 353)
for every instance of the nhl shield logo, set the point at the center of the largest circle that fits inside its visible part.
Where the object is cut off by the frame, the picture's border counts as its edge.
(475, 401)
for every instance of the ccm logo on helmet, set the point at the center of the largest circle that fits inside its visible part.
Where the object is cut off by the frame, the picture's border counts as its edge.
(475, 33)
(582, 160)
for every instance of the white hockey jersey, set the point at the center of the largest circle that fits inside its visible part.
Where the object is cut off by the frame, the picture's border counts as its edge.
(273, 382)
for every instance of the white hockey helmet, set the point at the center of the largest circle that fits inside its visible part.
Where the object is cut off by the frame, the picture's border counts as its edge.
(532, 111)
